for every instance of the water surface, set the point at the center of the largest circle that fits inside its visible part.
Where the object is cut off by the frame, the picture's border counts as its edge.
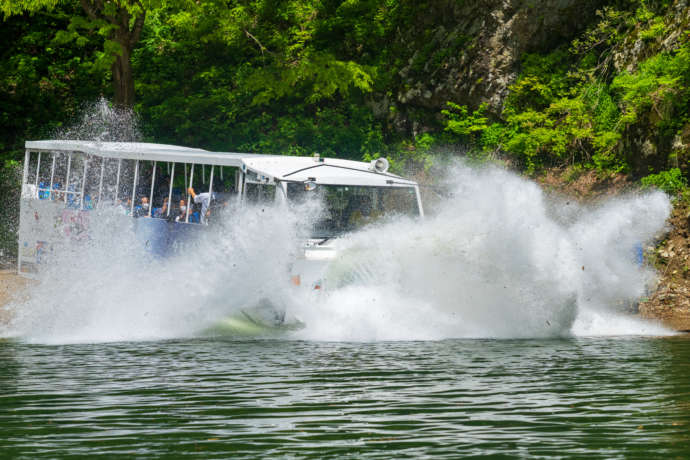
(593, 397)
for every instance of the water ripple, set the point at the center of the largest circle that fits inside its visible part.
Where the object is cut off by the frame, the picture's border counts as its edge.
(594, 397)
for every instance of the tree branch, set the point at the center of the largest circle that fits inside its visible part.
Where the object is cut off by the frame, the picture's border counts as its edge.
(261, 47)
(138, 27)
(91, 10)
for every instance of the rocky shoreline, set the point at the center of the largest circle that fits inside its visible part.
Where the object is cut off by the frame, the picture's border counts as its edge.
(670, 302)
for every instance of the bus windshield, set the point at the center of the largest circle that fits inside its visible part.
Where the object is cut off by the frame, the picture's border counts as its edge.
(347, 208)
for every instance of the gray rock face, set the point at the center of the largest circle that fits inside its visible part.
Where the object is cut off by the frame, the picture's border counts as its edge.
(472, 54)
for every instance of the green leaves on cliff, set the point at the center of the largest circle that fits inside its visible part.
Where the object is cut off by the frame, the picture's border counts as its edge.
(671, 181)
(571, 107)
(658, 86)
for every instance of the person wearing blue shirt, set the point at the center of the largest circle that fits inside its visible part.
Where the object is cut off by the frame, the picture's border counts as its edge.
(43, 190)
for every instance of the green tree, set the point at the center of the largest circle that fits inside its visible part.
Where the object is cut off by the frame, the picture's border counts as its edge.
(120, 21)
(281, 76)
(43, 85)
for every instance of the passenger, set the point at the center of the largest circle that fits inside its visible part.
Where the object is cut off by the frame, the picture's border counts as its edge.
(57, 184)
(161, 213)
(43, 190)
(205, 200)
(123, 207)
(88, 202)
(183, 212)
(193, 217)
(142, 210)
(73, 200)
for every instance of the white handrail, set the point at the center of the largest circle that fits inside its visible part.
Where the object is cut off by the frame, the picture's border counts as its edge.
(38, 167)
(172, 177)
(191, 184)
(69, 168)
(210, 193)
(134, 187)
(83, 182)
(153, 181)
(100, 183)
(52, 176)
(117, 181)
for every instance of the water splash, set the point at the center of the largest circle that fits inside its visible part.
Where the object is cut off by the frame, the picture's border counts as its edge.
(110, 288)
(496, 260)
(104, 122)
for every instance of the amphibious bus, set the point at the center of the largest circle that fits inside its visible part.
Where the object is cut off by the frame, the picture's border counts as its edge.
(64, 181)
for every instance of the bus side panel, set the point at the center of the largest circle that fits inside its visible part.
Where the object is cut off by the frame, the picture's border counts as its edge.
(42, 225)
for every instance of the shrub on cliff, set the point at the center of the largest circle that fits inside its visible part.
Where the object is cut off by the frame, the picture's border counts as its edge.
(671, 181)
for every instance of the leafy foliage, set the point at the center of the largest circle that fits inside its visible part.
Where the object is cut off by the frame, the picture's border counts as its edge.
(43, 84)
(671, 181)
(568, 107)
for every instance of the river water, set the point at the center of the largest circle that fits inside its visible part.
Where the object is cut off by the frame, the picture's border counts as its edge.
(615, 397)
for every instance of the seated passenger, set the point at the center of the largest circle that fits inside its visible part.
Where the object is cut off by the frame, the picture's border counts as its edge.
(142, 210)
(88, 202)
(123, 206)
(43, 190)
(73, 200)
(56, 187)
(182, 216)
(161, 213)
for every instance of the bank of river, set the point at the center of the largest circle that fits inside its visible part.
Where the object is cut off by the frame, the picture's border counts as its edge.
(12, 286)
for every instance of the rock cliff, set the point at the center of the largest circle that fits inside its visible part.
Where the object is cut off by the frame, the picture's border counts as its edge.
(471, 52)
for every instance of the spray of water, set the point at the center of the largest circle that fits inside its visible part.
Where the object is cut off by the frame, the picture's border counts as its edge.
(101, 121)
(498, 259)
(495, 261)
(110, 288)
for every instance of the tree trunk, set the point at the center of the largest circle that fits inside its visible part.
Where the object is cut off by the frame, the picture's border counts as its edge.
(123, 79)
(127, 34)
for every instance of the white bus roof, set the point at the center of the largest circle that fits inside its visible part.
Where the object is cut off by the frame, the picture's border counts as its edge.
(272, 167)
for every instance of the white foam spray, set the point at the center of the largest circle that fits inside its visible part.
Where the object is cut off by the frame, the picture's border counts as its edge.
(110, 288)
(498, 259)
